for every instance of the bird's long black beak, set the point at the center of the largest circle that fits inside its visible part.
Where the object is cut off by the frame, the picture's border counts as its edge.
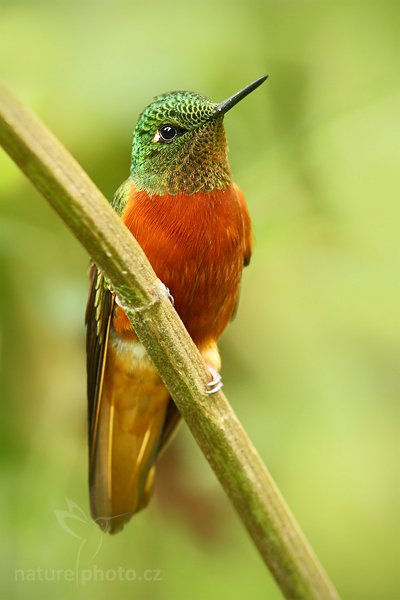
(229, 103)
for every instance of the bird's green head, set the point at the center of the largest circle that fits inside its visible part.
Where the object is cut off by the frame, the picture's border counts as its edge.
(179, 144)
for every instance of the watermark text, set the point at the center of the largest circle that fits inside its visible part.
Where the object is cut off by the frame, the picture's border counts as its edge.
(93, 574)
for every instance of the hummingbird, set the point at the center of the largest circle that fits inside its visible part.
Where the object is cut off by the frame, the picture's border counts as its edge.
(192, 222)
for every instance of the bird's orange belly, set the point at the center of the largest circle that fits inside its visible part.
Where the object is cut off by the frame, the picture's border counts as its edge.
(204, 292)
(195, 245)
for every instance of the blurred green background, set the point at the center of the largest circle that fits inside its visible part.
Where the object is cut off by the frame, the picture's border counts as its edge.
(311, 364)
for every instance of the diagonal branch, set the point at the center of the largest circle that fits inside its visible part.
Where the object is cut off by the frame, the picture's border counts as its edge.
(213, 423)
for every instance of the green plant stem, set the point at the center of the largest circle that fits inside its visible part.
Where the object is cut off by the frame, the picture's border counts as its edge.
(212, 421)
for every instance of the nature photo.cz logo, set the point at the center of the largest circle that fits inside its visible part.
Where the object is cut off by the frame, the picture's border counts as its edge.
(78, 524)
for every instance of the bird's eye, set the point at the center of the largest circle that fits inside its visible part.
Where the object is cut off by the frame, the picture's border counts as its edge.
(167, 133)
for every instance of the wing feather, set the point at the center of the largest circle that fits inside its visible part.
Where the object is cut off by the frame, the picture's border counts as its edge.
(98, 320)
(248, 239)
(248, 233)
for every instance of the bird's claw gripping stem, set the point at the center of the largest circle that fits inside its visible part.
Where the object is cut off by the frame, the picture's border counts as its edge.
(170, 296)
(213, 386)
(167, 293)
(164, 291)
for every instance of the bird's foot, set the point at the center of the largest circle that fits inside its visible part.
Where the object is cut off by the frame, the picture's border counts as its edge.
(169, 296)
(167, 293)
(213, 386)
(164, 291)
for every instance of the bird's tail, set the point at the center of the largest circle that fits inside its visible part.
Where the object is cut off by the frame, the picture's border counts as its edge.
(130, 422)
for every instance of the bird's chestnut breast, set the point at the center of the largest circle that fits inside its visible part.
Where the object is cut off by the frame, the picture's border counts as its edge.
(196, 245)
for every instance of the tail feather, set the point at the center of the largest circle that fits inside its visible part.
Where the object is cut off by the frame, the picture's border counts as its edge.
(131, 417)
